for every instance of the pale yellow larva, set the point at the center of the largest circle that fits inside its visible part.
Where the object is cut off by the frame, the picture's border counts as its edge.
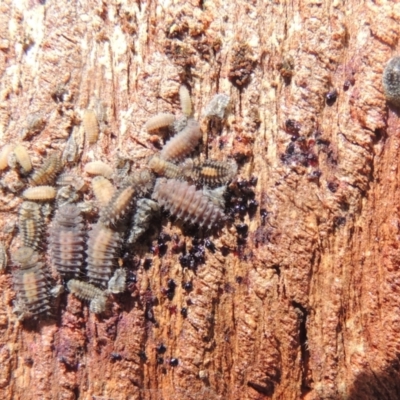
(103, 190)
(91, 126)
(23, 158)
(161, 120)
(98, 168)
(5, 152)
(40, 193)
(186, 101)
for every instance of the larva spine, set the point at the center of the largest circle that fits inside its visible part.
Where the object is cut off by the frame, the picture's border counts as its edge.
(159, 121)
(91, 126)
(88, 292)
(99, 168)
(40, 193)
(118, 206)
(183, 143)
(145, 210)
(187, 203)
(23, 158)
(103, 190)
(30, 224)
(66, 241)
(47, 172)
(186, 101)
(103, 246)
(6, 151)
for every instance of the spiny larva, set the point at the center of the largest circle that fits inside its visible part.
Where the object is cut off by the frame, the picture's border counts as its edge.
(47, 172)
(159, 121)
(30, 225)
(87, 291)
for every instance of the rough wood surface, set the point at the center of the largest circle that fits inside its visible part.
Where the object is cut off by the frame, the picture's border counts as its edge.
(309, 306)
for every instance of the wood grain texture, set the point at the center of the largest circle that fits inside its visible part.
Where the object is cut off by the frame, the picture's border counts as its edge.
(308, 307)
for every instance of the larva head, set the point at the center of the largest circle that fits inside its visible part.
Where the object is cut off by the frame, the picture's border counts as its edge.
(157, 165)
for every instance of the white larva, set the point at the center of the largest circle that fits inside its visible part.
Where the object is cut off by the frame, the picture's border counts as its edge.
(159, 121)
(40, 193)
(186, 101)
(99, 168)
(23, 158)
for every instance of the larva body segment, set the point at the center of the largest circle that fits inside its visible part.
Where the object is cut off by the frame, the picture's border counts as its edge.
(66, 241)
(23, 158)
(103, 190)
(186, 101)
(99, 168)
(165, 168)
(159, 121)
(103, 246)
(183, 143)
(88, 292)
(30, 283)
(145, 210)
(4, 154)
(30, 224)
(91, 126)
(47, 172)
(117, 284)
(118, 206)
(187, 203)
(40, 193)
(212, 173)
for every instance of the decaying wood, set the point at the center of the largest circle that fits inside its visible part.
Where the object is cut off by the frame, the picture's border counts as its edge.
(308, 305)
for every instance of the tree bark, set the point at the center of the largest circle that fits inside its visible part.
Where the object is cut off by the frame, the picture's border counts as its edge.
(305, 307)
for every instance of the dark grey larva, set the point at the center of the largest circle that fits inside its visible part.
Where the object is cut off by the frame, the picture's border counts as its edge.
(391, 81)
(30, 225)
(145, 210)
(66, 241)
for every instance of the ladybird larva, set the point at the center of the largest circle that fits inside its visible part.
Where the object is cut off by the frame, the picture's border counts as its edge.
(145, 210)
(186, 101)
(68, 179)
(217, 106)
(117, 283)
(161, 120)
(66, 241)
(99, 168)
(118, 206)
(40, 193)
(3, 257)
(212, 172)
(47, 172)
(183, 143)
(88, 292)
(103, 190)
(143, 181)
(103, 245)
(187, 203)
(4, 154)
(30, 224)
(23, 158)
(91, 126)
(30, 282)
(165, 168)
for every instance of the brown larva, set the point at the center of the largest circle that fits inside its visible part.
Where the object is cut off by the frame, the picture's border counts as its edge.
(88, 292)
(23, 158)
(165, 168)
(30, 224)
(186, 101)
(47, 172)
(99, 168)
(118, 206)
(40, 193)
(103, 245)
(117, 284)
(30, 283)
(3, 257)
(187, 203)
(145, 210)
(159, 121)
(103, 190)
(211, 172)
(4, 154)
(91, 126)
(66, 241)
(183, 143)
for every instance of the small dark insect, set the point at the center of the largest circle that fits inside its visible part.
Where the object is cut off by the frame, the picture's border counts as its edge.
(210, 245)
(242, 229)
(147, 263)
(47, 173)
(103, 245)
(292, 127)
(391, 81)
(173, 362)
(171, 289)
(115, 356)
(264, 215)
(184, 312)
(331, 97)
(187, 203)
(183, 143)
(161, 349)
(118, 206)
(143, 356)
(252, 207)
(188, 286)
(333, 186)
(66, 241)
(30, 224)
(31, 284)
(86, 291)
(160, 360)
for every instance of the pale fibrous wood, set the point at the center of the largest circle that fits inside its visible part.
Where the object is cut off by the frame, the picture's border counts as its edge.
(297, 296)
